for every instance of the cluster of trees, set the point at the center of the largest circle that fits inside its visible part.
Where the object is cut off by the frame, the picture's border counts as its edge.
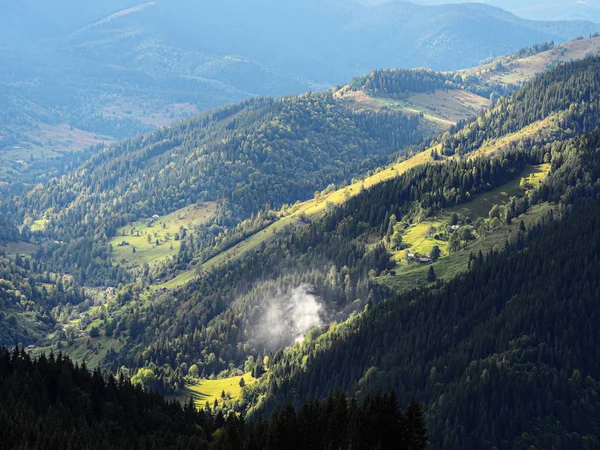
(50, 402)
(533, 50)
(8, 231)
(400, 83)
(27, 298)
(397, 82)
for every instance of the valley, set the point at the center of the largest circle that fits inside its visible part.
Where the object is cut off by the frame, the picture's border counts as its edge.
(431, 234)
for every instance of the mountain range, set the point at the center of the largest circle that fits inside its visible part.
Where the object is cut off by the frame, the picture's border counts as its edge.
(122, 68)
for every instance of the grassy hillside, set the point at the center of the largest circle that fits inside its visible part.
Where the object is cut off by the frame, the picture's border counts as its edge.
(440, 109)
(156, 238)
(515, 69)
(421, 239)
(203, 391)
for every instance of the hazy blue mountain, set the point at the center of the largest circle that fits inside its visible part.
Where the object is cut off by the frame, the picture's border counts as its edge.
(72, 76)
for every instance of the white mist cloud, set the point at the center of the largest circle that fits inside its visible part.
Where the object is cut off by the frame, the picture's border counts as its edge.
(288, 316)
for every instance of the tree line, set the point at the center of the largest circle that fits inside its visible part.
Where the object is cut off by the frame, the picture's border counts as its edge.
(51, 402)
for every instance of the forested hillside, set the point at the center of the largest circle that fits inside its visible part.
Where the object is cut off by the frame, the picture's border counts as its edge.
(570, 88)
(345, 256)
(504, 341)
(251, 156)
(28, 295)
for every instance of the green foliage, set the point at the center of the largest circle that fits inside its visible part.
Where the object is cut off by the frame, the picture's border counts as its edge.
(397, 236)
(431, 276)
(144, 378)
(464, 346)
(99, 412)
(8, 231)
(566, 88)
(495, 304)
(193, 371)
(435, 253)
(28, 298)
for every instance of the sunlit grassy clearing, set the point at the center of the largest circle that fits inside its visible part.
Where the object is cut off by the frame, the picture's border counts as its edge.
(494, 146)
(203, 391)
(481, 204)
(38, 225)
(415, 275)
(164, 229)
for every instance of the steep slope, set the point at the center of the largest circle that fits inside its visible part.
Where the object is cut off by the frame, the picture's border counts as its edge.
(513, 324)
(509, 198)
(325, 262)
(223, 257)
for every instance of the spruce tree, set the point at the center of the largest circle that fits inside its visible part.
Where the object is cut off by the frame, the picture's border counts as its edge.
(431, 276)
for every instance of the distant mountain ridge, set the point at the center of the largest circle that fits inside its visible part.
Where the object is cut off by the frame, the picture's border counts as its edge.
(74, 77)
(541, 9)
